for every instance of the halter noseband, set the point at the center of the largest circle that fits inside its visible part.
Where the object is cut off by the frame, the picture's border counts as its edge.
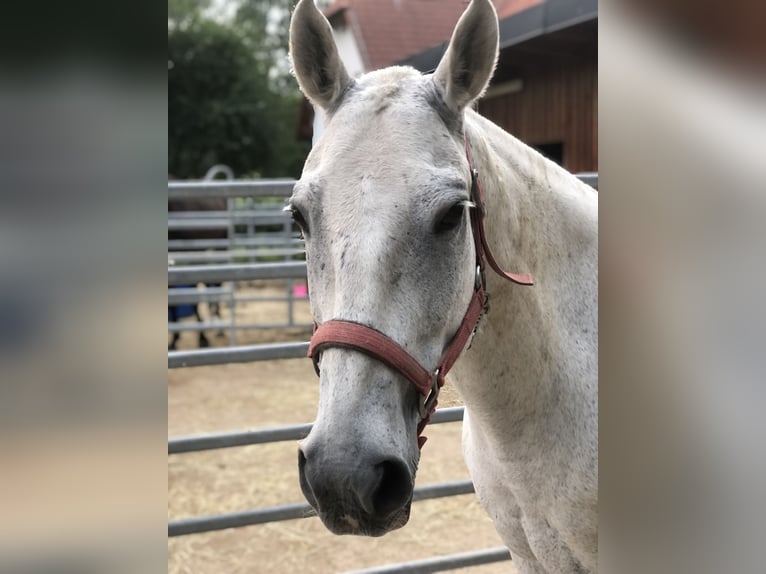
(371, 342)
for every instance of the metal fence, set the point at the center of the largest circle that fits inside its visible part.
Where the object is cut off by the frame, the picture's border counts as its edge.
(256, 230)
(218, 273)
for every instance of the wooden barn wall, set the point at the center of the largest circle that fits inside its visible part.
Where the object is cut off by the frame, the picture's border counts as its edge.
(557, 103)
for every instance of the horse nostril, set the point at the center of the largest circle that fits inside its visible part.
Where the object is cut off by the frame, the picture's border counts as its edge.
(393, 487)
(301, 460)
(308, 491)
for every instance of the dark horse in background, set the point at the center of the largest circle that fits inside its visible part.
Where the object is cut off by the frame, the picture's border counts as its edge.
(176, 312)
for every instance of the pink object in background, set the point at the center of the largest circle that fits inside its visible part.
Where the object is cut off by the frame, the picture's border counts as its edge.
(300, 291)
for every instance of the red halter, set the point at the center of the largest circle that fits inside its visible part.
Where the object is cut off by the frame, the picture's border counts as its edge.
(351, 335)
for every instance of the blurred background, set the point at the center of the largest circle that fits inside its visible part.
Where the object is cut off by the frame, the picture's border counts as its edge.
(682, 115)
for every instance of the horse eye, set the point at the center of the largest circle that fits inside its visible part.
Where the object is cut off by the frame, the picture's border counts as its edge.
(451, 218)
(298, 219)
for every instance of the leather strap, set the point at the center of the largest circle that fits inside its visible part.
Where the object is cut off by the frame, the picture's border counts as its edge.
(350, 335)
(371, 342)
(477, 195)
(463, 334)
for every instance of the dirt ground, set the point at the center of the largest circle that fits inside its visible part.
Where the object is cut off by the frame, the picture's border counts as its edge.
(240, 396)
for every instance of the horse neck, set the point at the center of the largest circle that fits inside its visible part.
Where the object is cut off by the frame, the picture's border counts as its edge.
(511, 374)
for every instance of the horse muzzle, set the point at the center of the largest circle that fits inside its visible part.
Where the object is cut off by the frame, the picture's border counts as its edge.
(362, 495)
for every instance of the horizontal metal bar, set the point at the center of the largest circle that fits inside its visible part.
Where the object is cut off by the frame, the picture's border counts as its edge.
(179, 327)
(191, 296)
(441, 563)
(193, 274)
(442, 490)
(238, 519)
(267, 299)
(234, 214)
(273, 326)
(447, 415)
(212, 441)
(179, 445)
(258, 240)
(292, 511)
(207, 224)
(241, 354)
(224, 326)
(591, 178)
(226, 222)
(241, 188)
(177, 257)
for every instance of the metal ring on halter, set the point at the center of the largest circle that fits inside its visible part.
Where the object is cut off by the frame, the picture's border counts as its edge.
(481, 278)
(427, 403)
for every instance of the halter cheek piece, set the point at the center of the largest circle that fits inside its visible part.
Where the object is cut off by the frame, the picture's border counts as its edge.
(351, 335)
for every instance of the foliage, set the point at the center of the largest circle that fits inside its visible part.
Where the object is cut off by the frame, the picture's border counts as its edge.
(230, 97)
(182, 12)
(264, 26)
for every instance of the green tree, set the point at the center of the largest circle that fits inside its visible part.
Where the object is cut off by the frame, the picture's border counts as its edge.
(229, 99)
(182, 12)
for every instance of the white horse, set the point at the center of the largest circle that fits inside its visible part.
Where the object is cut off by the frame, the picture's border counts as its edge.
(386, 205)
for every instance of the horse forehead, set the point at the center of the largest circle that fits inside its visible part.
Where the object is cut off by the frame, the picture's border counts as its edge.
(381, 87)
(389, 192)
(395, 186)
(386, 146)
(398, 153)
(374, 205)
(393, 110)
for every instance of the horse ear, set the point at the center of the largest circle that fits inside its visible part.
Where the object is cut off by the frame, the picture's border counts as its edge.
(467, 66)
(315, 59)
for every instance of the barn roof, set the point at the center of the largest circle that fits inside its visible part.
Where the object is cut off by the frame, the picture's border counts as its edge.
(395, 31)
(519, 22)
(389, 30)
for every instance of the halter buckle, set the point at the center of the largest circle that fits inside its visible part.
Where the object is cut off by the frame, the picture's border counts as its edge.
(426, 404)
(481, 278)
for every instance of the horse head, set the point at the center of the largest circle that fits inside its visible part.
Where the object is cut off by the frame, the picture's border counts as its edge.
(384, 203)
